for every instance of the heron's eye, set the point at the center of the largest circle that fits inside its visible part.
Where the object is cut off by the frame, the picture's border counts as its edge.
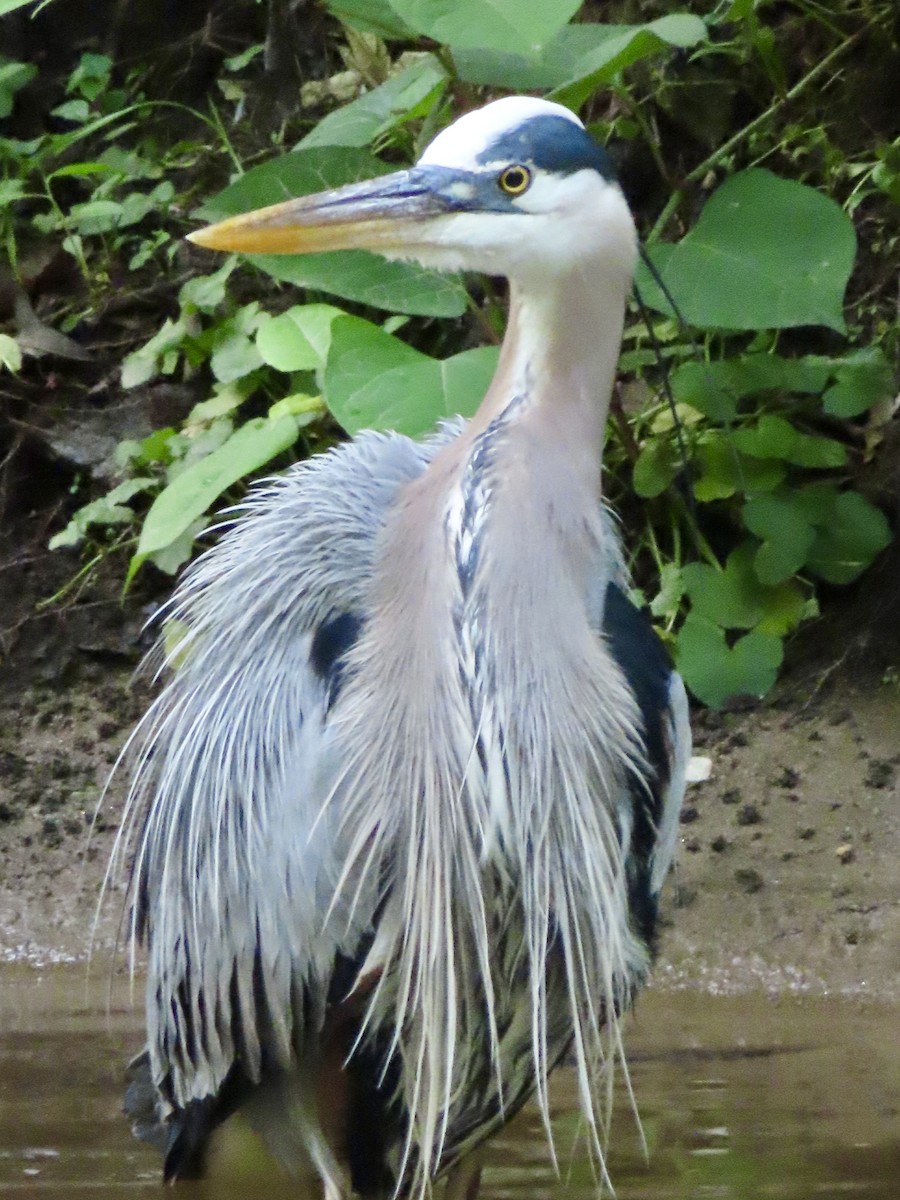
(515, 180)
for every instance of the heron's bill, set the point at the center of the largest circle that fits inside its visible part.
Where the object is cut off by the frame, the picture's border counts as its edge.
(373, 215)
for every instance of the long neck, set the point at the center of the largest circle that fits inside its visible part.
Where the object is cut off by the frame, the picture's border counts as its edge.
(526, 470)
(558, 361)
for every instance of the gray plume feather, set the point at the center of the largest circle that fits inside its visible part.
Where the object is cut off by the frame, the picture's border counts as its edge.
(470, 799)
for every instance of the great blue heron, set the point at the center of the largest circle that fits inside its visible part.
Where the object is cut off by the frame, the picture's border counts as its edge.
(404, 809)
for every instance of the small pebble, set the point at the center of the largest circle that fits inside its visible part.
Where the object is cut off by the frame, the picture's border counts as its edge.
(880, 773)
(748, 814)
(845, 854)
(750, 881)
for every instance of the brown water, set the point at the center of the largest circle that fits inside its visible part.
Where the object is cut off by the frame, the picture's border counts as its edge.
(741, 1098)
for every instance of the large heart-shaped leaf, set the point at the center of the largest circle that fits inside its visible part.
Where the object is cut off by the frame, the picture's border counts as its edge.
(579, 58)
(353, 274)
(766, 253)
(297, 340)
(493, 24)
(375, 381)
(371, 16)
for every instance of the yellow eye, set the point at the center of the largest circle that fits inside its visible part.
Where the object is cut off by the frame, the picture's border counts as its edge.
(515, 180)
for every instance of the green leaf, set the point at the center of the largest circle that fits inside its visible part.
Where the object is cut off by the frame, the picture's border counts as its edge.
(233, 353)
(204, 293)
(735, 597)
(786, 535)
(725, 471)
(10, 191)
(13, 77)
(371, 16)
(774, 437)
(8, 6)
(298, 340)
(855, 532)
(375, 381)
(786, 607)
(10, 354)
(581, 57)
(193, 492)
(91, 75)
(106, 510)
(628, 47)
(73, 110)
(716, 388)
(96, 216)
(234, 357)
(732, 596)
(766, 253)
(495, 24)
(667, 601)
(863, 379)
(655, 468)
(227, 398)
(352, 274)
(716, 672)
(179, 550)
(376, 112)
(147, 361)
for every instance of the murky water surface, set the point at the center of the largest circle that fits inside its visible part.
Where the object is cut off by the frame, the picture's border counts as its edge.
(741, 1098)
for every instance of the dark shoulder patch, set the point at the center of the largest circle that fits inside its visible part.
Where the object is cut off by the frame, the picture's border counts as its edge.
(645, 664)
(550, 143)
(642, 656)
(329, 648)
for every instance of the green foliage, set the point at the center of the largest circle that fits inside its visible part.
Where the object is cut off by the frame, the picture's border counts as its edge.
(376, 381)
(13, 77)
(406, 96)
(579, 59)
(765, 253)
(178, 510)
(125, 191)
(10, 354)
(774, 403)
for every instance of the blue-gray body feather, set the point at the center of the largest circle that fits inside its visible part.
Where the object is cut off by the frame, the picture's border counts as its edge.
(280, 849)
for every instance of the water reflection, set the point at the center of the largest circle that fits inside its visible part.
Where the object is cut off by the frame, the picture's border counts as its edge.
(740, 1098)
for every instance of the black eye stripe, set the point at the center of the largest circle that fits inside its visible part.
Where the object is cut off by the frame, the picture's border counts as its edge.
(549, 143)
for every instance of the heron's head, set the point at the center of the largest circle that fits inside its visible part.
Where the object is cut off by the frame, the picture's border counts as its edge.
(517, 188)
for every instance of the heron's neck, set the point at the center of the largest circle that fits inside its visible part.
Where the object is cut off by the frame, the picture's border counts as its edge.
(558, 361)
